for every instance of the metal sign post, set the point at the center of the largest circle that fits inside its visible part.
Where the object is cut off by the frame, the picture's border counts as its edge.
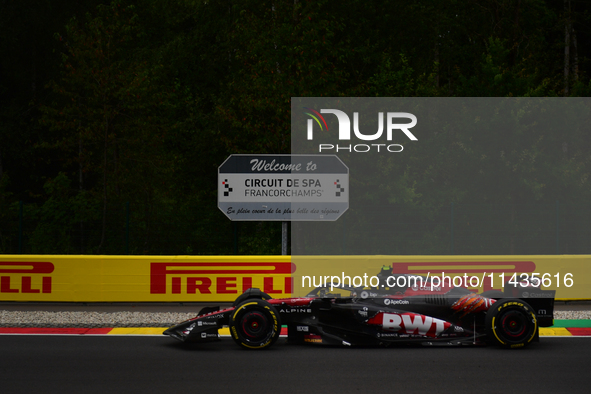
(284, 238)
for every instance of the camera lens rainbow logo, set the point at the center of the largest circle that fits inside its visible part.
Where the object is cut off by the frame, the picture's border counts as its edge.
(315, 116)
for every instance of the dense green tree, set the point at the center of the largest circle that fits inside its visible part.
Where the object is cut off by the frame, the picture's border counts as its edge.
(138, 102)
(27, 62)
(277, 50)
(108, 117)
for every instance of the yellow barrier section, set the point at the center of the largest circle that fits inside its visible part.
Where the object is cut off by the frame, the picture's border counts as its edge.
(569, 275)
(141, 278)
(222, 278)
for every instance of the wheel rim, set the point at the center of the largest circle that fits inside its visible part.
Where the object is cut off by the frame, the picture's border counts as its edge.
(255, 326)
(514, 324)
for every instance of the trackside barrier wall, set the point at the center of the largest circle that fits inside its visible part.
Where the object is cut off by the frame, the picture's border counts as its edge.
(56, 278)
(140, 278)
(569, 275)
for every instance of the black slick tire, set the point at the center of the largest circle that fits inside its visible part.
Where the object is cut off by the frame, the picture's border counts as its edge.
(511, 323)
(255, 324)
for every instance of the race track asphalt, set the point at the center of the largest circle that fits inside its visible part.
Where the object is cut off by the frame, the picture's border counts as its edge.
(147, 364)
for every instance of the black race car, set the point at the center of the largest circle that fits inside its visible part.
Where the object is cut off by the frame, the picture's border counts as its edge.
(421, 314)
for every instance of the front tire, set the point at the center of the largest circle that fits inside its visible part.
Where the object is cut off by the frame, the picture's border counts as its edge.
(511, 323)
(255, 324)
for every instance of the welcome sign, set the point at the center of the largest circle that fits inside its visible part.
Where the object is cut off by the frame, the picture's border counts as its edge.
(283, 187)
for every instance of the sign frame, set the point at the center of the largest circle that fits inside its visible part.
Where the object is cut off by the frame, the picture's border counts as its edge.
(283, 187)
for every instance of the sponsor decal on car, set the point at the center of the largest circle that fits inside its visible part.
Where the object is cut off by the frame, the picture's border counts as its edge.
(363, 312)
(426, 288)
(189, 329)
(368, 294)
(201, 323)
(526, 294)
(410, 323)
(312, 338)
(388, 335)
(296, 310)
(389, 301)
(215, 315)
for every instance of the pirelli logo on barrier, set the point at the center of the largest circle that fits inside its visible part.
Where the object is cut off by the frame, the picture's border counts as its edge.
(25, 277)
(221, 277)
(455, 268)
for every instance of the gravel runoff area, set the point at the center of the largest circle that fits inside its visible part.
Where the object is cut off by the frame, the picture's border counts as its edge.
(90, 319)
(95, 315)
(76, 316)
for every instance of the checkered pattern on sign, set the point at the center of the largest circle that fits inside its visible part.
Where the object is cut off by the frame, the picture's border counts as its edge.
(227, 187)
(340, 189)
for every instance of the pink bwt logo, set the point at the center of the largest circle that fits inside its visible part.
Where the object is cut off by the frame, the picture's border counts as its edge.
(410, 323)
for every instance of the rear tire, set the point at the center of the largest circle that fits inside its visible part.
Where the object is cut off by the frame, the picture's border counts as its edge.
(255, 324)
(511, 323)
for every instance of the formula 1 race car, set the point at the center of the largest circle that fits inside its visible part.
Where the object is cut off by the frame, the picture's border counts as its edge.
(421, 314)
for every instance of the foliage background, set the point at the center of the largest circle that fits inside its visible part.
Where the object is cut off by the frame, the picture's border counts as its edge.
(114, 116)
